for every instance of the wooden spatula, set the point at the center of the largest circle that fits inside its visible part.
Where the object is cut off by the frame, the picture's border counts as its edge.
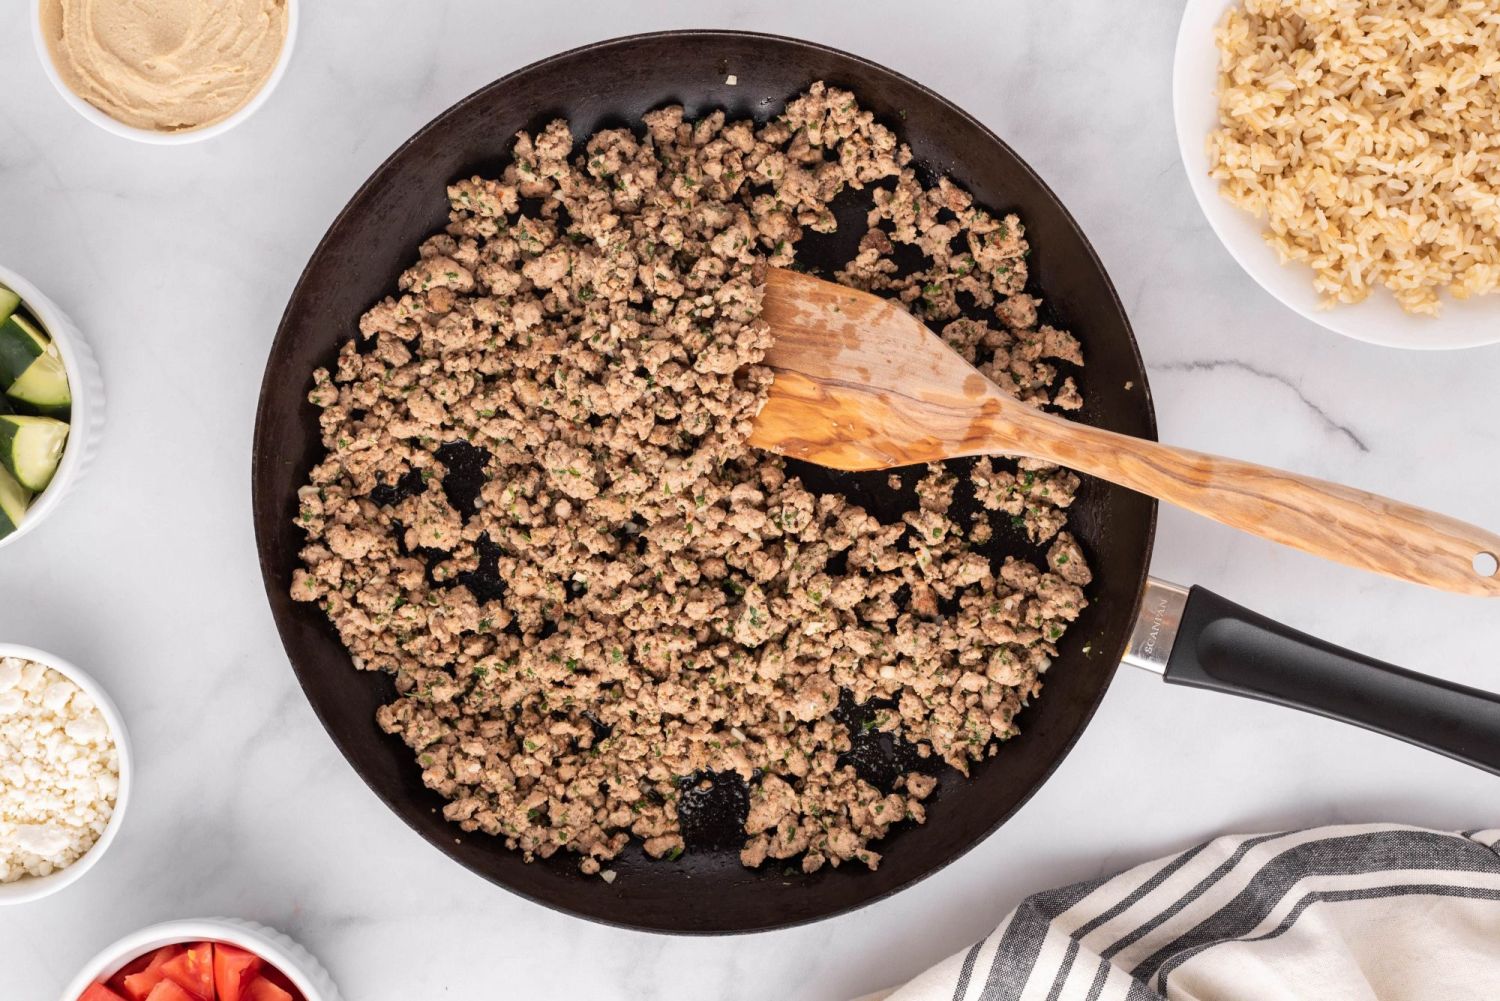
(862, 384)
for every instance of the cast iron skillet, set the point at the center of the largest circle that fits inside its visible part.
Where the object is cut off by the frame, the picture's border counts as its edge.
(613, 83)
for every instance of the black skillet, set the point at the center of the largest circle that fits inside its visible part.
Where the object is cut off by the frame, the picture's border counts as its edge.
(1130, 616)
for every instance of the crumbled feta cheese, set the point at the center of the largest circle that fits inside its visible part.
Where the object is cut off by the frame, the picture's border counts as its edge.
(731, 80)
(59, 771)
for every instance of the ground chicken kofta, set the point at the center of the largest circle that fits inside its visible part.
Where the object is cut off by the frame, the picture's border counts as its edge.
(537, 511)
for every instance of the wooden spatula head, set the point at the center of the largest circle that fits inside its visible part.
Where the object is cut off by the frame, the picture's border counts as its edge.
(862, 384)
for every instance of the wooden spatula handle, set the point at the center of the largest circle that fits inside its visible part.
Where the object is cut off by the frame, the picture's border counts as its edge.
(1335, 522)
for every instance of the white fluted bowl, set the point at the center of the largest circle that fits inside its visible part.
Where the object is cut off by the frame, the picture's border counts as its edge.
(297, 963)
(86, 425)
(36, 887)
(150, 136)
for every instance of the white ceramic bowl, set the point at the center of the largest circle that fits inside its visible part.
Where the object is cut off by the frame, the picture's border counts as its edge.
(109, 124)
(1378, 320)
(35, 887)
(87, 422)
(269, 944)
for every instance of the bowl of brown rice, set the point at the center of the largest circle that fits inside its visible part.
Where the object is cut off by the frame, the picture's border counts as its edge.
(1347, 153)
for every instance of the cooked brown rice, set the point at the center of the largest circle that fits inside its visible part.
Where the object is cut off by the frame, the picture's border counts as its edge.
(1367, 134)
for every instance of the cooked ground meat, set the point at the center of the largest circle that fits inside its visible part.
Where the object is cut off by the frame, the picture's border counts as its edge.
(537, 511)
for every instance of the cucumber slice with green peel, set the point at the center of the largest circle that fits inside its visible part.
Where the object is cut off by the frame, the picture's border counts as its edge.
(9, 303)
(31, 370)
(21, 344)
(14, 499)
(31, 448)
(43, 389)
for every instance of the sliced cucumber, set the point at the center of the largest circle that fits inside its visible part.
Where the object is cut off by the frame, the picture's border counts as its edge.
(14, 500)
(31, 370)
(30, 449)
(21, 344)
(9, 303)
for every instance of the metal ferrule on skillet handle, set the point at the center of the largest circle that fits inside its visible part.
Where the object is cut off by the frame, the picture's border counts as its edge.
(1156, 626)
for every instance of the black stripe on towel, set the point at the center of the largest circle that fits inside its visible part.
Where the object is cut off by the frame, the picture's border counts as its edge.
(1065, 968)
(1204, 885)
(1356, 854)
(1019, 947)
(966, 971)
(1141, 891)
(1100, 978)
(1334, 896)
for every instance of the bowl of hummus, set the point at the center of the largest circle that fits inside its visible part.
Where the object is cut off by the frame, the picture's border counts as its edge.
(168, 72)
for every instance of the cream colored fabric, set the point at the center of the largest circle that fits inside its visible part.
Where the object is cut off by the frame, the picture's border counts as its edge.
(1347, 913)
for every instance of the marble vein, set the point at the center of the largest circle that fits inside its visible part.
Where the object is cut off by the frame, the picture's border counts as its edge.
(1238, 365)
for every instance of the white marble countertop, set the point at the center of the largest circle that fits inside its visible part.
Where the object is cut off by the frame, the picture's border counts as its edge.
(177, 263)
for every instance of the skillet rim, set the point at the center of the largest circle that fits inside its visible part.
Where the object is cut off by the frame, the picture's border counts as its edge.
(263, 507)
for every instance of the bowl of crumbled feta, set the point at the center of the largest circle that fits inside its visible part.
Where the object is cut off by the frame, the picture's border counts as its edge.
(64, 773)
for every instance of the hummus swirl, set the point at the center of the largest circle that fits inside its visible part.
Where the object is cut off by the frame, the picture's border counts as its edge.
(168, 66)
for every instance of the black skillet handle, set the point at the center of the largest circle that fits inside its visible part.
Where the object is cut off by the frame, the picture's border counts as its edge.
(1224, 647)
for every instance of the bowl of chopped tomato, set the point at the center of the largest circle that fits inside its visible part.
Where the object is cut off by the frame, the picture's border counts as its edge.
(206, 959)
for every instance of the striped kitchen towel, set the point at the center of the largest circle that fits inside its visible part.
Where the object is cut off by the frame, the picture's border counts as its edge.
(1370, 911)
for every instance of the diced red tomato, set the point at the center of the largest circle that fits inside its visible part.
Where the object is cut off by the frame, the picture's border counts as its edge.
(193, 971)
(150, 961)
(262, 989)
(167, 990)
(137, 979)
(98, 992)
(233, 971)
(137, 986)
